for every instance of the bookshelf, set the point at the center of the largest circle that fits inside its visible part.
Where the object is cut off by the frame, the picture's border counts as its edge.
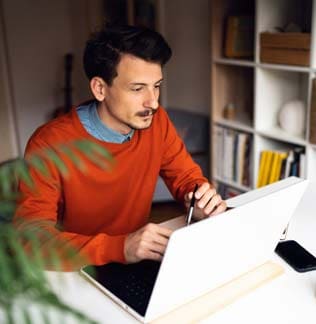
(257, 90)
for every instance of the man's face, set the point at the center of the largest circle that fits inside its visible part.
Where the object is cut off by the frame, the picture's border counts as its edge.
(132, 99)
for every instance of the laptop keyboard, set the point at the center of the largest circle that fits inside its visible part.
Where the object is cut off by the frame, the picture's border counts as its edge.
(132, 283)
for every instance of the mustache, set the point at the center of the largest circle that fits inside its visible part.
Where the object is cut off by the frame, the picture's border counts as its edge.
(147, 112)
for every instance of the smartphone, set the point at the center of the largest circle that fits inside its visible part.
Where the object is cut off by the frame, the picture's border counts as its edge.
(296, 256)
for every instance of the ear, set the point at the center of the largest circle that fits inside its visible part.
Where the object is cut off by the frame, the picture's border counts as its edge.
(98, 88)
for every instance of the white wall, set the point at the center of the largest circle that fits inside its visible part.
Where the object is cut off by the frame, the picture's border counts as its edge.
(8, 141)
(187, 29)
(39, 33)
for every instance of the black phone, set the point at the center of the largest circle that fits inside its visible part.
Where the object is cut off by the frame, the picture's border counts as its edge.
(296, 256)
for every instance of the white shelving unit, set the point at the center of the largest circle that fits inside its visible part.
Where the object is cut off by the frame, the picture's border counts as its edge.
(258, 90)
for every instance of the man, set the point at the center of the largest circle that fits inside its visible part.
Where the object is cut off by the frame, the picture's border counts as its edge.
(104, 214)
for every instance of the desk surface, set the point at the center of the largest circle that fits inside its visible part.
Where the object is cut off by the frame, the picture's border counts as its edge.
(290, 298)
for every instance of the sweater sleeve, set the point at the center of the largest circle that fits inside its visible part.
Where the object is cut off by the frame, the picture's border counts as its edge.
(178, 169)
(38, 210)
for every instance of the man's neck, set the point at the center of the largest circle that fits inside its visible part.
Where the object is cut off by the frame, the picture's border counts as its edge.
(108, 120)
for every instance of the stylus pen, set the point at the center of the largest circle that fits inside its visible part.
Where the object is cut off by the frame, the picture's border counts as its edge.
(191, 208)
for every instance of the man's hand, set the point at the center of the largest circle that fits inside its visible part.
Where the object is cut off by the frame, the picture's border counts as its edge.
(149, 242)
(208, 202)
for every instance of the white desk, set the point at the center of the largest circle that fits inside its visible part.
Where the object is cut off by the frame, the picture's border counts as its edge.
(288, 299)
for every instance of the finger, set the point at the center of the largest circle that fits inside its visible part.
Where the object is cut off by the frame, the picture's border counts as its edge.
(202, 190)
(160, 230)
(154, 256)
(157, 248)
(156, 234)
(147, 249)
(199, 214)
(161, 240)
(219, 209)
(199, 192)
(188, 196)
(148, 255)
(213, 204)
(208, 196)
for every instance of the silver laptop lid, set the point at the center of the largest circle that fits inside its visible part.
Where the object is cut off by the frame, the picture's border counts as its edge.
(209, 253)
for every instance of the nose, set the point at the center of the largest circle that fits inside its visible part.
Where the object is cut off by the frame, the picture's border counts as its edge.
(151, 100)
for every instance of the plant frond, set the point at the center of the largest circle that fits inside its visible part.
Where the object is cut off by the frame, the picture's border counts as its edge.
(38, 163)
(95, 153)
(55, 158)
(21, 170)
(22, 268)
(72, 156)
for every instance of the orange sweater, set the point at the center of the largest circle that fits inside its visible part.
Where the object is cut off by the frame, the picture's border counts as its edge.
(100, 207)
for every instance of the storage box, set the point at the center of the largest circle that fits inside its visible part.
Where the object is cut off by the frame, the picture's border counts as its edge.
(285, 48)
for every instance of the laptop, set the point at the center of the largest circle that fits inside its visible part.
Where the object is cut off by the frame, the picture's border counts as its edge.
(204, 255)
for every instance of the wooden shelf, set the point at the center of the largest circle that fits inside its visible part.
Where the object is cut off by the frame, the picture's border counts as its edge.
(259, 90)
(235, 62)
(281, 135)
(232, 184)
(284, 67)
(242, 125)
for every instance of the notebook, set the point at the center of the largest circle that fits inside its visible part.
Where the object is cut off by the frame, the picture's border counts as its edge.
(204, 255)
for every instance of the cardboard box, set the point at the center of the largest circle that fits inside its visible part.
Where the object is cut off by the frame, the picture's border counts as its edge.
(285, 48)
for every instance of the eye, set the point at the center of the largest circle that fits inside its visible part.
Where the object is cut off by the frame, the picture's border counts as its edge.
(137, 89)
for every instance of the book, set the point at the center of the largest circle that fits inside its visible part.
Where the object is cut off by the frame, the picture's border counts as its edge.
(295, 165)
(228, 161)
(218, 150)
(282, 158)
(289, 162)
(263, 158)
(312, 118)
(241, 156)
(283, 167)
(279, 157)
(302, 172)
(236, 154)
(246, 176)
(274, 165)
(267, 168)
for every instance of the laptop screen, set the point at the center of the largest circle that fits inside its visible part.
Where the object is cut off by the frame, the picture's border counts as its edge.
(131, 283)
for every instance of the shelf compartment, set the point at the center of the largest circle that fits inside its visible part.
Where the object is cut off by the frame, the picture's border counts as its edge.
(221, 10)
(267, 144)
(274, 15)
(274, 89)
(232, 156)
(233, 85)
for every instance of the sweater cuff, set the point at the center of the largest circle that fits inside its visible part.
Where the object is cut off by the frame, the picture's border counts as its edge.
(111, 249)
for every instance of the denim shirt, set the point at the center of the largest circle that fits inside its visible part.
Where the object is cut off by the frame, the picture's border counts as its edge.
(92, 123)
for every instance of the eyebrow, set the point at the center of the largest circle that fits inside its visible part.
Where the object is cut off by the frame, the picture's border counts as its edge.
(145, 84)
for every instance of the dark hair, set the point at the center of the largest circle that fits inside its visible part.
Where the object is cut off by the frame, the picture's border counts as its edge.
(104, 49)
